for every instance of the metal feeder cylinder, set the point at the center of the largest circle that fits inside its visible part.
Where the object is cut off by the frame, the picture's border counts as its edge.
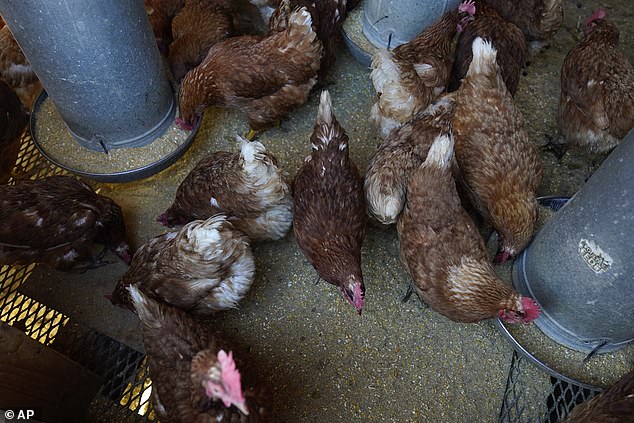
(580, 266)
(100, 64)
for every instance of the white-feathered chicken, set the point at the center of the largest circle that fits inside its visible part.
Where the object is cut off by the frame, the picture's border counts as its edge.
(404, 150)
(248, 187)
(205, 267)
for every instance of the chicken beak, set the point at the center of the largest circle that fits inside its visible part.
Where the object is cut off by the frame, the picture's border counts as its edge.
(242, 406)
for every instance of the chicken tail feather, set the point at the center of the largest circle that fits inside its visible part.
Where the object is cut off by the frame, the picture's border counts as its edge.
(484, 57)
(441, 152)
(148, 310)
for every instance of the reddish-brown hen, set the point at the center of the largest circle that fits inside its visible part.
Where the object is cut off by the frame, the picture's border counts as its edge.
(13, 119)
(444, 253)
(248, 187)
(16, 70)
(328, 17)
(161, 24)
(56, 220)
(408, 78)
(329, 211)
(195, 375)
(538, 19)
(264, 77)
(596, 107)
(205, 267)
(199, 25)
(404, 150)
(614, 405)
(508, 40)
(499, 166)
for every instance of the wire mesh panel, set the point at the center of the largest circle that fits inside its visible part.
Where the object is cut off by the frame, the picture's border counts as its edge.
(524, 400)
(125, 394)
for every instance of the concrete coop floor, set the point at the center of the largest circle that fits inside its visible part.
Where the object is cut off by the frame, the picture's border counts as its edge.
(323, 363)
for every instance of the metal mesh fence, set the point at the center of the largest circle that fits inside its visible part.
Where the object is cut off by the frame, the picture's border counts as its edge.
(523, 403)
(126, 391)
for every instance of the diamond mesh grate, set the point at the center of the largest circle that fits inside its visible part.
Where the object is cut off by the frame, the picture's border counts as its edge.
(523, 404)
(125, 393)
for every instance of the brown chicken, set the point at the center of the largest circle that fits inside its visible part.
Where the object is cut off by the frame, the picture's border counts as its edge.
(508, 40)
(499, 166)
(538, 19)
(329, 211)
(408, 78)
(248, 187)
(403, 151)
(56, 220)
(327, 16)
(615, 405)
(264, 77)
(161, 24)
(596, 107)
(195, 376)
(198, 26)
(16, 71)
(13, 119)
(444, 253)
(205, 267)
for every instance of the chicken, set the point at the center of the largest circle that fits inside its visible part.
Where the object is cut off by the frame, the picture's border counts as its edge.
(264, 77)
(328, 210)
(195, 377)
(508, 40)
(13, 119)
(444, 253)
(198, 26)
(56, 220)
(408, 78)
(596, 107)
(205, 267)
(539, 20)
(614, 405)
(16, 71)
(403, 151)
(161, 24)
(499, 166)
(248, 187)
(327, 17)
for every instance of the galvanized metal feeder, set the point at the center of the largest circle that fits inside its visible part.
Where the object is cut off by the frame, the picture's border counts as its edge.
(101, 67)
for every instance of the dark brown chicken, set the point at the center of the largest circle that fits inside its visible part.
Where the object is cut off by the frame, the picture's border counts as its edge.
(596, 107)
(264, 77)
(538, 19)
(205, 267)
(198, 26)
(13, 119)
(444, 253)
(327, 16)
(408, 78)
(195, 375)
(508, 40)
(404, 150)
(615, 405)
(248, 187)
(499, 166)
(56, 220)
(329, 211)
(16, 71)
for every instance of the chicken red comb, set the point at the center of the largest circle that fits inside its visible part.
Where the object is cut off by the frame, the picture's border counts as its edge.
(467, 7)
(230, 378)
(531, 309)
(598, 14)
(184, 125)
